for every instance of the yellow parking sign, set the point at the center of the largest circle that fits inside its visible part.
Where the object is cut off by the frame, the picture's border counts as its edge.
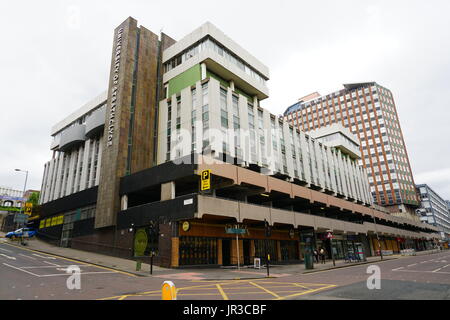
(206, 180)
(28, 208)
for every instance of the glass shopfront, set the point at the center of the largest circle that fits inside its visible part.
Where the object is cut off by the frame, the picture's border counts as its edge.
(260, 249)
(289, 250)
(343, 246)
(198, 251)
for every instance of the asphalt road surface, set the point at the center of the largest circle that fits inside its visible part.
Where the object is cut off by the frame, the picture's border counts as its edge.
(27, 274)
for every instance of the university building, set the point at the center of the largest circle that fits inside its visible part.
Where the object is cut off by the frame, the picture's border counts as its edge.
(126, 174)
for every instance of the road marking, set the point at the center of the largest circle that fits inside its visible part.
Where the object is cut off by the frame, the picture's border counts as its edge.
(225, 297)
(80, 262)
(262, 288)
(418, 271)
(21, 269)
(5, 250)
(299, 285)
(396, 269)
(410, 265)
(81, 273)
(45, 257)
(306, 292)
(441, 268)
(10, 258)
(24, 255)
(53, 264)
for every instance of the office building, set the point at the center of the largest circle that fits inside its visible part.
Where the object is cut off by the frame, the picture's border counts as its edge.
(368, 110)
(434, 210)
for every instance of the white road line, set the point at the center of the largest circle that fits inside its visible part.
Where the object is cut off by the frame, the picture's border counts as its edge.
(441, 268)
(24, 255)
(10, 258)
(418, 271)
(46, 257)
(410, 265)
(5, 250)
(67, 274)
(40, 267)
(53, 264)
(21, 270)
(396, 269)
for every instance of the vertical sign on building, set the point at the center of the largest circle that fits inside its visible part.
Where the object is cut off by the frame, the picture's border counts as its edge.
(128, 134)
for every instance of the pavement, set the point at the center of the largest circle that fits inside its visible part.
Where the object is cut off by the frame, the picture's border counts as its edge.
(207, 273)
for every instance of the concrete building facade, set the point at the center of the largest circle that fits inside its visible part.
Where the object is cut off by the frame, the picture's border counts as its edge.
(175, 109)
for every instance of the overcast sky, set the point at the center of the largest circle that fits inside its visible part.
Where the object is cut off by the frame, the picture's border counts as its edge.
(55, 57)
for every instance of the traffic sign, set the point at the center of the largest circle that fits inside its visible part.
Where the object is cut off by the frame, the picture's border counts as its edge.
(28, 208)
(206, 180)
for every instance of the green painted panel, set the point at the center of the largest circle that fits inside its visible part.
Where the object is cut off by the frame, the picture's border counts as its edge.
(184, 80)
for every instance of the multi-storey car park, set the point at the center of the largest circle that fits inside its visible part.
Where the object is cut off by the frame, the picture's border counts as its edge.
(174, 109)
(369, 111)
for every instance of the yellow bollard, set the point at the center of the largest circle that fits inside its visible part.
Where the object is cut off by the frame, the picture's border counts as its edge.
(169, 292)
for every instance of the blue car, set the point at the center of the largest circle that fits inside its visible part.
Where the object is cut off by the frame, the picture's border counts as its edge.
(25, 232)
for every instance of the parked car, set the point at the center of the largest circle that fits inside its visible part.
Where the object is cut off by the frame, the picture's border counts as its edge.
(25, 232)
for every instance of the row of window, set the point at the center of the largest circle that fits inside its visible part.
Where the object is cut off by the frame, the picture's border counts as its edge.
(209, 43)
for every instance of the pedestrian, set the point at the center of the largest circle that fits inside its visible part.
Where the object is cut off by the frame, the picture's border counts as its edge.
(316, 255)
(322, 255)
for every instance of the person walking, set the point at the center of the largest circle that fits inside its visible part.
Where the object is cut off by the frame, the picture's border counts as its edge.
(322, 255)
(316, 255)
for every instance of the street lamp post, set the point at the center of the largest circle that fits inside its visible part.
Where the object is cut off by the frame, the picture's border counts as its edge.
(24, 187)
(378, 238)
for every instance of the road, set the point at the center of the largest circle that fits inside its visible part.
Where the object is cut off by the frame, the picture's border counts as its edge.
(27, 274)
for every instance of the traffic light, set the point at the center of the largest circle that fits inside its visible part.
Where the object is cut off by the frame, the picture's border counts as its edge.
(153, 233)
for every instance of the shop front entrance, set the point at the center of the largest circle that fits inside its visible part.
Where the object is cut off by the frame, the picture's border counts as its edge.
(247, 258)
(226, 252)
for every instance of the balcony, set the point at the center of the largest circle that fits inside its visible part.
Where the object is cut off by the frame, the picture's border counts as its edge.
(95, 123)
(71, 137)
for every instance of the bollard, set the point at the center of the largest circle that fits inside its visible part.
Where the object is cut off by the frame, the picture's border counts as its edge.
(169, 292)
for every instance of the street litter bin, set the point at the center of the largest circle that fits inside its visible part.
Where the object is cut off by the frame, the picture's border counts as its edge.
(309, 262)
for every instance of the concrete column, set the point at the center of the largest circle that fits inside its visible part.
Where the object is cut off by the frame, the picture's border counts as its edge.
(234, 259)
(232, 85)
(175, 252)
(124, 202)
(255, 104)
(300, 257)
(168, 191)
(252, 249)
(203, 70)
(278, 250)
(99, 161)
(84, 176)
(219, 252)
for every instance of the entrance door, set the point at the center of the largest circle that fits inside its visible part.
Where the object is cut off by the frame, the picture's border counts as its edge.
(247, 257)
(226, 252)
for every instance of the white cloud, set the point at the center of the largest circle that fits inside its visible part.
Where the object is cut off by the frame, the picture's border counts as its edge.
(58, 58)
